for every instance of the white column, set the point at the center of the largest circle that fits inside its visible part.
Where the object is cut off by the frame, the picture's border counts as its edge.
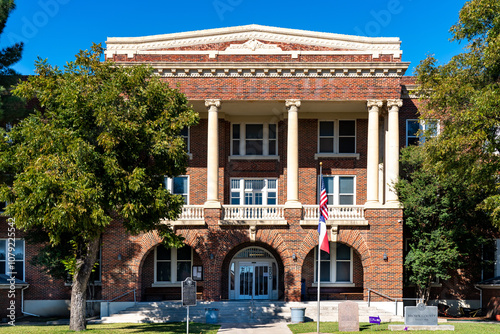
(372, 178)
(292, 158)
(392, 152)
(213, 154)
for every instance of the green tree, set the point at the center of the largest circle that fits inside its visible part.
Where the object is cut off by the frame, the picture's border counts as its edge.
(95, 152)
(11, 107)
(464, 94)
(445, 228)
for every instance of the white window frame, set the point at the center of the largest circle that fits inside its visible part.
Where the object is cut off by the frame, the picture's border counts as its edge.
(242, 190)
(333, 267)
(173, 267)
(336, 189)
(169, 184)
(336, 136)
(5, 263)
(265, 140)
(422, 128)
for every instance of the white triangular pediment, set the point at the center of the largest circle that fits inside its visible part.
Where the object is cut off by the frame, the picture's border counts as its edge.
(250, 38)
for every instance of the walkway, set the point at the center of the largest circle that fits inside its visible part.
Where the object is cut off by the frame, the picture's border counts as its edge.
(272, 328)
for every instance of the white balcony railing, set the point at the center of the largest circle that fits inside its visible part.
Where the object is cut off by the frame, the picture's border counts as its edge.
(192, 212)
(253, 212)
(351, 212)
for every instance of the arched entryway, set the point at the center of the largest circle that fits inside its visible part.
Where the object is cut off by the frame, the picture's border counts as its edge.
(253, 274)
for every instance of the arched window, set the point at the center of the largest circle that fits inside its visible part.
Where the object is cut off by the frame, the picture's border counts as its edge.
(336, 267)
(172, 264)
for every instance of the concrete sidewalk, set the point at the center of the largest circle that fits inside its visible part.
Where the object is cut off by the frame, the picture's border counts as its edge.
(272, 328)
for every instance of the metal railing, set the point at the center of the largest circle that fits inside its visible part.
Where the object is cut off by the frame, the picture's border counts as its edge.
(348, 212)
(253, 212)
(388, 297)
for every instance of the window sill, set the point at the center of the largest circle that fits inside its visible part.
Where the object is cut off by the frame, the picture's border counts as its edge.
(166, 284)
(335, 285)
(254, 157)
(336, 155)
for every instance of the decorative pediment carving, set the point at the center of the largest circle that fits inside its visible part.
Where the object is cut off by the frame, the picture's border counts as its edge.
(253, 45)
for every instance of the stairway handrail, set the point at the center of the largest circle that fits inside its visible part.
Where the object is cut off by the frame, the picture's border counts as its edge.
(385, 296)
(112, 300)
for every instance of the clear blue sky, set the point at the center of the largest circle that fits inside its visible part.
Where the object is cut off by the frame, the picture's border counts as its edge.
(57, 29)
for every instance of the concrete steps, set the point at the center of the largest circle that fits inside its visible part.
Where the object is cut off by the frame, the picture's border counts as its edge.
(239, 312)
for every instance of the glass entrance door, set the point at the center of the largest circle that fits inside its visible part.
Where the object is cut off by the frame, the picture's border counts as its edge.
(254, 280)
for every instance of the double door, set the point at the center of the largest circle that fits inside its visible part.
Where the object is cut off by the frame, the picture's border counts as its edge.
(255, 280)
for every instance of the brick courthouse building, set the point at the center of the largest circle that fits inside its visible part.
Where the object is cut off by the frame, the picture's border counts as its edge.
(274, 104)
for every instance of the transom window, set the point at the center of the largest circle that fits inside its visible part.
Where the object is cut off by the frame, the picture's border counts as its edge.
(254, 191)
(337, 136)
(178, 186)
(173, 264)
(12, 257)
(417, 130)
(340, 189)
(336, 267)
(254, 139)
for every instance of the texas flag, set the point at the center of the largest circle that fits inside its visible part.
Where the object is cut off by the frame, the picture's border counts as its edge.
(323, 216)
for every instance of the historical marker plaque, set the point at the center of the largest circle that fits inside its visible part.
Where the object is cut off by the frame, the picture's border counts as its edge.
(188, 292)
(348, 317)
(421, 315)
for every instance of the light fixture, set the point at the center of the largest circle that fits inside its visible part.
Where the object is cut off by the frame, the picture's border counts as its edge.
(294, 257)
(384, 256)
(119, 257)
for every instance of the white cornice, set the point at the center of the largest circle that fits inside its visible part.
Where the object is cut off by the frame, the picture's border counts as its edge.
(250, 69)
(370, 45)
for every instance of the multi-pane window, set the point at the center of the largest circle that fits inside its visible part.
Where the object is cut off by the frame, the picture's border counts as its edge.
(254, 191)
(337, 136)
(178, 186)
(185, 136)
(418, 130)
(340, 189)
(173, 264)
(336, 267)
(12, 257)
(254, 139)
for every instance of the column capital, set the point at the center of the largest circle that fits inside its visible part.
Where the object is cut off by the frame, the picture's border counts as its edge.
(374, 103)
(394, 103)
(212, 103)
(292, 103)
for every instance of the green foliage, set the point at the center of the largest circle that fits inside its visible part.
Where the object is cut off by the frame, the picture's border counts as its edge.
(442, 219)
(464, 95)
(95, 152)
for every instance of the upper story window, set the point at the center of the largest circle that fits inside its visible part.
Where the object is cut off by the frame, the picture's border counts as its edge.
(336, 267)
(417, 130)
(185, 136)
(178, 186)
(12, 257)
(254, 191)
(254, 139)
(173, 264)
(340, 189)
(337, 136)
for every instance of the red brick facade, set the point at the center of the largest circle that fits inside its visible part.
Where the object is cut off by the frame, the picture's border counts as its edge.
(330, 85)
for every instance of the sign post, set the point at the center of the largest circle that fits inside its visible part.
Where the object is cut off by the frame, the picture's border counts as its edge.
(188, 297)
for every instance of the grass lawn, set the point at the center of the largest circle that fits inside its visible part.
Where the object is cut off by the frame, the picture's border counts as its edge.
(460, 328)
(176, 327)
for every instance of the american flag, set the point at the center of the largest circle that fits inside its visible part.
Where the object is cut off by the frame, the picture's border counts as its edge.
(323, 216)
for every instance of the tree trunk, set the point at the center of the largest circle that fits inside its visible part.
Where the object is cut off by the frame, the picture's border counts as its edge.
(84, 264)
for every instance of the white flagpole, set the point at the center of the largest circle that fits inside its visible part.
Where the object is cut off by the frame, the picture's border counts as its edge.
(319, 248)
